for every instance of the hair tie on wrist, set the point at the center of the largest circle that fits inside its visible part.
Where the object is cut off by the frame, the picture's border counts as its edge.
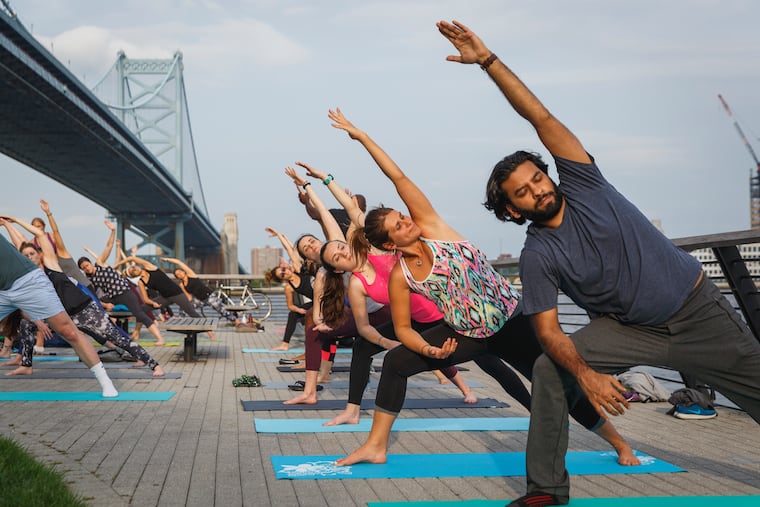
(306, 185)
(327, 180)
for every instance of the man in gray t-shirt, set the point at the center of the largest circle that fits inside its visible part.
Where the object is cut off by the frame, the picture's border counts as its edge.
(649, 301)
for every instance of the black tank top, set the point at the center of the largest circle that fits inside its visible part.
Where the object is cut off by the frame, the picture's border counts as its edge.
(73, 299)
(198, 289)
(161, 283)
(304, 288)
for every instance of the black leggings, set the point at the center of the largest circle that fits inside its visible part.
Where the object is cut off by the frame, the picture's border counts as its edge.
(293, 319)
(516, 343)
(361, 359)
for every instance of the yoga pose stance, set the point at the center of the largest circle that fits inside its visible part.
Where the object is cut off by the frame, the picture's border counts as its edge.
(370, 270)
(482, 313)
(25, 287)
(649, 301)
(86, 314)
(198, 292)
(153, 278)
(116, 288)
(297, 282)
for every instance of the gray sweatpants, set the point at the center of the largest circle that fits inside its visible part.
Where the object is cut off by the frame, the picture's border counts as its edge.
(705, 338)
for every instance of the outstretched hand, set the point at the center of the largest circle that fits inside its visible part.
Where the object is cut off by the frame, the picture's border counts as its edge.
(310, 171)
(272, 232)
(297, 178)
(605, 393)
(109, 225)
(471, 48)
(341, 122)
(45, 206)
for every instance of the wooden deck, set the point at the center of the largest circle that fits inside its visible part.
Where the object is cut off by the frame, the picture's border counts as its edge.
(201, 449)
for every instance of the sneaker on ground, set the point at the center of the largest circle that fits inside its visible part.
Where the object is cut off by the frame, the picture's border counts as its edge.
(694, 412)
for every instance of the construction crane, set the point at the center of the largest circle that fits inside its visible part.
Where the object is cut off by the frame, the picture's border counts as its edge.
(754, 179)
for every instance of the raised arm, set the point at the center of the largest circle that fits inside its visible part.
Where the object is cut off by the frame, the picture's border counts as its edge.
(329, 224)
(142, 262)
(16, 237)
(553, 134)
(49, 258)
(355, 214)
(103, 257)
(290, 249)
(184, 267)
(420, 208)
(62, 251)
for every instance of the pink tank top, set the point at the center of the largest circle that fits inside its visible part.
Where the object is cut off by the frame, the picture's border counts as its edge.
(422, 310)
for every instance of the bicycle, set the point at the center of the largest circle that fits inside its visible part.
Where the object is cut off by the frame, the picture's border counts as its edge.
(258, 303)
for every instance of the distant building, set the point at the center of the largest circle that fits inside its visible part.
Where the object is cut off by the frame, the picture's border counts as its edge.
(230, 244)
(263, 259)
(749, 252)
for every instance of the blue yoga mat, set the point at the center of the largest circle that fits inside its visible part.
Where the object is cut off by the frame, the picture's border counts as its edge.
(291, 351)
(50, 358)
(637, 501)
(83, 396)
(497, 464)
(421, 424)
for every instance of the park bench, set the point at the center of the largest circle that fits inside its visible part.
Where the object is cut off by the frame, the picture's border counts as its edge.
(190, 327)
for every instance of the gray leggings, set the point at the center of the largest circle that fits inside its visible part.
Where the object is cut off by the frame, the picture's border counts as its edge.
(705, 338)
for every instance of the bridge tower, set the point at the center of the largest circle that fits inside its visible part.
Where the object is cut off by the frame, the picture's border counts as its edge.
(148, 95)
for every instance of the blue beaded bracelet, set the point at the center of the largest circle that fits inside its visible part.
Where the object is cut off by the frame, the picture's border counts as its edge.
(327, 180)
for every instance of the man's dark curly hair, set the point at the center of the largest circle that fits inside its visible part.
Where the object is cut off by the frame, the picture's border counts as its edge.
(496, 199)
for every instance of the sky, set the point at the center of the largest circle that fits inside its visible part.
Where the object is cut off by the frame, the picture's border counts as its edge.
(637, 82)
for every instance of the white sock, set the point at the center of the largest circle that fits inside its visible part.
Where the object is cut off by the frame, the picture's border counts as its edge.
(109, 391)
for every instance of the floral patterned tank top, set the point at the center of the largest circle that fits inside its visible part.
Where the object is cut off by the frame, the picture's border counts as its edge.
(474, 299)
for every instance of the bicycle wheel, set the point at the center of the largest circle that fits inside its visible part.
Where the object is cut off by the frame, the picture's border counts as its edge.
(262, 306)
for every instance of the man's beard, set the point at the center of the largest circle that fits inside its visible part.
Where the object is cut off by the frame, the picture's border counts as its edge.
(544, 215)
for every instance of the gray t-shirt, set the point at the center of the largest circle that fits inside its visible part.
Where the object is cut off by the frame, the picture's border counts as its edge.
(13, 264)
(605, 255)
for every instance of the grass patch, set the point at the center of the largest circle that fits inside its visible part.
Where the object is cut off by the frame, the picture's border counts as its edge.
(25, 481)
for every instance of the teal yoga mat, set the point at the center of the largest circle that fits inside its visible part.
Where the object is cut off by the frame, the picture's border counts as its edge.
(50, 358)
(83, 396)
(136, 373)
(497, 464)
(637, 501)
(421, 424)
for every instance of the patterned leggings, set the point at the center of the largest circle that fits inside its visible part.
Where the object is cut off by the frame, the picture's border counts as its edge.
(93, 320)
(216, 303)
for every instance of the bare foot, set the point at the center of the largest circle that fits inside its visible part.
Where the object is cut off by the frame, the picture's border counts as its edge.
(6, 352)
(135, 336)
(626, 456)
(158, 371)
(160, 344)
(470, 398)
(21, 370)
(16, 361)
(343, 418)
(302, 399)
(364, 454)
(323, 380)
(282, 346)
(138, 364)
(211, 336)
